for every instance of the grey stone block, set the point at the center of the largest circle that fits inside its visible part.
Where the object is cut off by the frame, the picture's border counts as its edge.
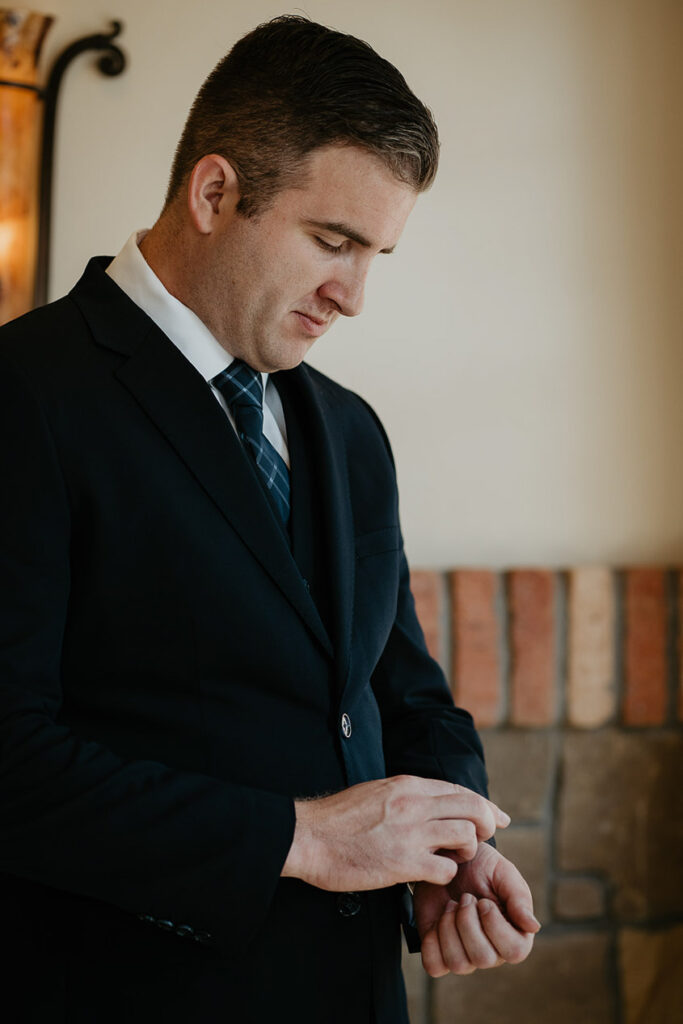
(578, 899)
(520, 764)
(563, 981)
(621, 815)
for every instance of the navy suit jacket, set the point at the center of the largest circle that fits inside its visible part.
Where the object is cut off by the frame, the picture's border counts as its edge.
(169, 685)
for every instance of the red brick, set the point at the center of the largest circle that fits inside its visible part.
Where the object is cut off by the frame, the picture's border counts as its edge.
(427, 591)
(591, 692)
(531, 597)
(476, 644)
(646, 663)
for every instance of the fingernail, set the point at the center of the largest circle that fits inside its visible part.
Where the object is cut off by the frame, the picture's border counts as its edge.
(506, 819)
(467, 900)
(484, 907)
(535, 920)
(450, 907)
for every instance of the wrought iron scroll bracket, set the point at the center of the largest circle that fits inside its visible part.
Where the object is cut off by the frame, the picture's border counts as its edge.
(111, 63)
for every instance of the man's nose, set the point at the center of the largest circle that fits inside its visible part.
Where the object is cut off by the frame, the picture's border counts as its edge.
(347, 292)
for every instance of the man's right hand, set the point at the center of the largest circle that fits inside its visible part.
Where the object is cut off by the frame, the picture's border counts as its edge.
(381, 833)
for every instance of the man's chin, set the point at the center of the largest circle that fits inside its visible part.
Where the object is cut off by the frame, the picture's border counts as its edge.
(289, 357)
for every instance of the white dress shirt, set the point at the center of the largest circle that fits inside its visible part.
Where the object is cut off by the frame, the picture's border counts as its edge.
(189, 334)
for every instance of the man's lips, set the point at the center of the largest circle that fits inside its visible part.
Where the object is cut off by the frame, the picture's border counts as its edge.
(313, 325)
(316, 319)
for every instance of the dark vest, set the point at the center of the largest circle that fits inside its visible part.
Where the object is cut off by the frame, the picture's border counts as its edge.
(309, 545)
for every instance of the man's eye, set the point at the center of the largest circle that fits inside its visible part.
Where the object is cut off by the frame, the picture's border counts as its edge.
(326, 245)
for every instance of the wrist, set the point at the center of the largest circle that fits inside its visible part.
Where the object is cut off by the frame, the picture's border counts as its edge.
(300, 854)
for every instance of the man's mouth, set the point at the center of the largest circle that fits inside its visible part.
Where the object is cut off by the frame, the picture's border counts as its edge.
(313, 325)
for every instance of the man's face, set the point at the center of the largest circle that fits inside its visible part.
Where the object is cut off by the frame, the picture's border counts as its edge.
(277, 281)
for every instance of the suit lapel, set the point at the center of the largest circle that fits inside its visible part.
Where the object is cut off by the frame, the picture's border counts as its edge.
(329, 461)
(180, 403)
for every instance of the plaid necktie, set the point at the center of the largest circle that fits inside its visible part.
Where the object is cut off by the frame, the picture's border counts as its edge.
(243, 391)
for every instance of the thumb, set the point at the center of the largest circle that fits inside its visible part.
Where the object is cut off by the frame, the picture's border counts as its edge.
(520, 912)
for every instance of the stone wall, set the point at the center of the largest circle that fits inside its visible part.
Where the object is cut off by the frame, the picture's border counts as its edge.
(575, 680)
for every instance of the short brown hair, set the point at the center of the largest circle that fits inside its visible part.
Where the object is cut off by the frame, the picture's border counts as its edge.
(290, 86)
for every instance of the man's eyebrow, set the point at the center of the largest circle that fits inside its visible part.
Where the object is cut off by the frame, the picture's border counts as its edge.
(338, 228)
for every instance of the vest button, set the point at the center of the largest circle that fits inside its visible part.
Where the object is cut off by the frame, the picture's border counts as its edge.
(346, 726)
(348, 904)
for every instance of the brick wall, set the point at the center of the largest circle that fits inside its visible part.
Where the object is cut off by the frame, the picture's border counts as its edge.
(575, 680)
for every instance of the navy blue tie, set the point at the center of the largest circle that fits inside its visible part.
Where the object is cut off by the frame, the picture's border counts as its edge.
(243, 391)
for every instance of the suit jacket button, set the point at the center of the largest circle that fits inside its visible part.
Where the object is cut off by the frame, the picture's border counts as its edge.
(348, 904)
(346, 726)
(184, 931)
(168, 926)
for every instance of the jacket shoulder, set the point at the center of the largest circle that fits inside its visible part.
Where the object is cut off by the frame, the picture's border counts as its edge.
(38, 340)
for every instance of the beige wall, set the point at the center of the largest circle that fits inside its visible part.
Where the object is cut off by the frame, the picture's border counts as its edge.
(524, 345)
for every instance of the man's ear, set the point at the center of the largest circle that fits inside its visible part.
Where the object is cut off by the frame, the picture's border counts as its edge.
(213, 193)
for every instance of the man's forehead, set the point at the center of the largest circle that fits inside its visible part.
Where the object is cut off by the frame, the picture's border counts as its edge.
(344, 161)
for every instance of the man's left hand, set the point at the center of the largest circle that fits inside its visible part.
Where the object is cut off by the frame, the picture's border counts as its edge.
(483, 918)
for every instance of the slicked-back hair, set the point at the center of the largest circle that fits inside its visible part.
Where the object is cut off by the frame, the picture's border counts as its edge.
(291, 86)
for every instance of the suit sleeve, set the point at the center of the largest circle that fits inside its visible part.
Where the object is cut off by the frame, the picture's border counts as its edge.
(424, 733)
(73, 815)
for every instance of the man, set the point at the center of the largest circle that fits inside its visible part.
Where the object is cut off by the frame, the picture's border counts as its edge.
(225, 749)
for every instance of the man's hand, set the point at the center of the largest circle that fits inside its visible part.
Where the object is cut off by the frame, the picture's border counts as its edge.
(483, 918)
(381, 833)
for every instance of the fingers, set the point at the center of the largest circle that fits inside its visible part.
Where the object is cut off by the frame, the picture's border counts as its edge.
(464, 803)
(453, 952)
(511, 945)
(472, 935)
(432, 960)
(484, 815)
(477, 946)
(522, 916)
(437, 870)
(442, 950)
(458, 944)
(460, 836)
